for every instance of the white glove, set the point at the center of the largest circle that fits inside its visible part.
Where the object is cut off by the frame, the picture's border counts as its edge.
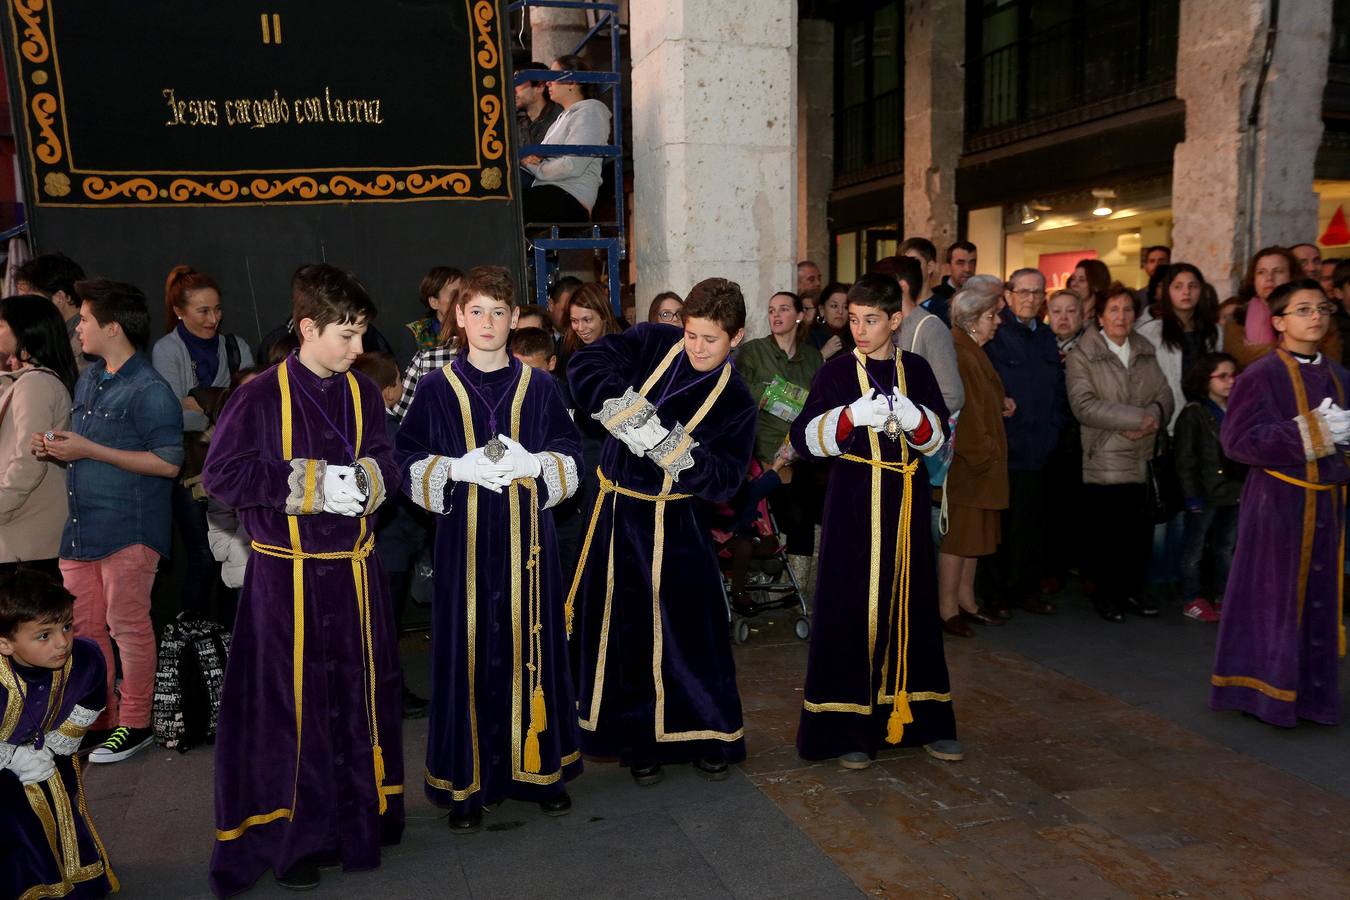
(476, 468)
(906, 411)
(1338, 420)
(868, 411)
(32, 766)
(523, 463)
(649, 435)
(340, 493)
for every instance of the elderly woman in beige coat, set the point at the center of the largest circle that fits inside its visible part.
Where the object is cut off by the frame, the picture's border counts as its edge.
(34, 398)
(1120, 397)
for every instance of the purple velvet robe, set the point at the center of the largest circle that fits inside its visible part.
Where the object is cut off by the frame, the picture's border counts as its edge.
(654, 673)
(312, 685)
(1277, 654)
(58, 705)
(851, 672)
(482, 662)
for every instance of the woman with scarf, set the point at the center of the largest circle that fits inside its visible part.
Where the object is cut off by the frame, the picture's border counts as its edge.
(197, 362)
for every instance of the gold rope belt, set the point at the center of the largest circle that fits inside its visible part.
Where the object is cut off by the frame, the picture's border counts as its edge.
(1309, 517)
(1299, 482)
(361, 578)
(901, 715)
(607, 487)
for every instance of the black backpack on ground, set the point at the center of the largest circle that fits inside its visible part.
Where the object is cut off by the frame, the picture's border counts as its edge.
(188, 681)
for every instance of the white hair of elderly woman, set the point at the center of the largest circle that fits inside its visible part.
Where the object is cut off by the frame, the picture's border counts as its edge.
(977, 296)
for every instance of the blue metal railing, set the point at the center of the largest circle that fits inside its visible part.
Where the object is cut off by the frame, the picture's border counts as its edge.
(592, 236)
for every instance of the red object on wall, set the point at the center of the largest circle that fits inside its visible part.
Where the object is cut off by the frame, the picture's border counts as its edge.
(1057, 267)
(1337, 232)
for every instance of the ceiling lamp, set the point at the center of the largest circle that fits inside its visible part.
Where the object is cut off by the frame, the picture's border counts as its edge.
(1029, 217)
(1103, 199)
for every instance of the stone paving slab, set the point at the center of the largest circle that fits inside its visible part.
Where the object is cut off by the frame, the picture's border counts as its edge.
(1093, 770)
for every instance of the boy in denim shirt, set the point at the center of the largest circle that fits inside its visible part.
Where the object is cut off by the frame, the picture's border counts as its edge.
(123, 450)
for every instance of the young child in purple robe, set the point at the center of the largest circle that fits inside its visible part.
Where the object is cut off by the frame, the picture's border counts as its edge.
(488, 448)
(1282, 631)
(309, 757)
(51, 688)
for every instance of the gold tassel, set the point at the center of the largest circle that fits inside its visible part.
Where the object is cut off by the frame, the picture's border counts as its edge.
(532, 762)
(902, 708)
(538, 712)
(895, 728)
(568, 609)
(379, 778)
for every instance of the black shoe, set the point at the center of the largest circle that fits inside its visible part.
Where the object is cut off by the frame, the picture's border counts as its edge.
(123, 743)
(1141, 606)
(558, 806)
(414, 707)
(93, 738)
(712, 769)
(466, 824)
(646, 775)
(1108, 610)
(304, 877)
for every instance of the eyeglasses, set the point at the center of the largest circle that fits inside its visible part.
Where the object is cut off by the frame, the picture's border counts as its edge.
(669, 315)
(1325, 310)
(1223, 376)
(1024, 294)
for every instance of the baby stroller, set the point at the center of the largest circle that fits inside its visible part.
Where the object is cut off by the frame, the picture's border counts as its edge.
(756, 577)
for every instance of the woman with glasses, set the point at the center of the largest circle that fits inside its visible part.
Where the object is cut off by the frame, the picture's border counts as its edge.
(1120, 397)
(1282, 631)
(665, 309)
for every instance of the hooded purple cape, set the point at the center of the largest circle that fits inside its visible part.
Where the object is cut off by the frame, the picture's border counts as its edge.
(47, 840)
(309, 757)
(876, 655)
(488, 663)
(654, 674)
(1277, 656)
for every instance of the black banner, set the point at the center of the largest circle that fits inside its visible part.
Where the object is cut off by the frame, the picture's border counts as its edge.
(155, 103)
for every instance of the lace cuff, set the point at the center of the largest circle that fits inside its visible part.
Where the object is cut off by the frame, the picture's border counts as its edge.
(626, 413)
(1316, 434)
(375, 481)
(822, 434)
(559, 473)
(305, 484)
(426, 483)
(675, 453)
(64, 741)
(6, 753)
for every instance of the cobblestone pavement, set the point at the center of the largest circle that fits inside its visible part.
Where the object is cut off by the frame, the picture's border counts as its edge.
(1092, 770)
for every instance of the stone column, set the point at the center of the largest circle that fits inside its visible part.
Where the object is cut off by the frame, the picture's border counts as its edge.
(556, 32)
(1237, 189)
(714, 128)
(935, 103)
(815, 138)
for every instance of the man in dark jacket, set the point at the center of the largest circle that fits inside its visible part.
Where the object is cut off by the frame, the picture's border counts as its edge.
(1026, 355)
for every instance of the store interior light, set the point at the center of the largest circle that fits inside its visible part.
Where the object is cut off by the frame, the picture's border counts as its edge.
(1029, 216)
(1102, 205)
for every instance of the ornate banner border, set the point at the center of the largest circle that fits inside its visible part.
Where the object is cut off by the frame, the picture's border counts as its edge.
(55, 181)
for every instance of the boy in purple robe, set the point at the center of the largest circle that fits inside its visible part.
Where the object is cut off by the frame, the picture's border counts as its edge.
(1282, 631)
(487, 447)
(655, 678)
(309, 760)
(875, 668)
(51, 689)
